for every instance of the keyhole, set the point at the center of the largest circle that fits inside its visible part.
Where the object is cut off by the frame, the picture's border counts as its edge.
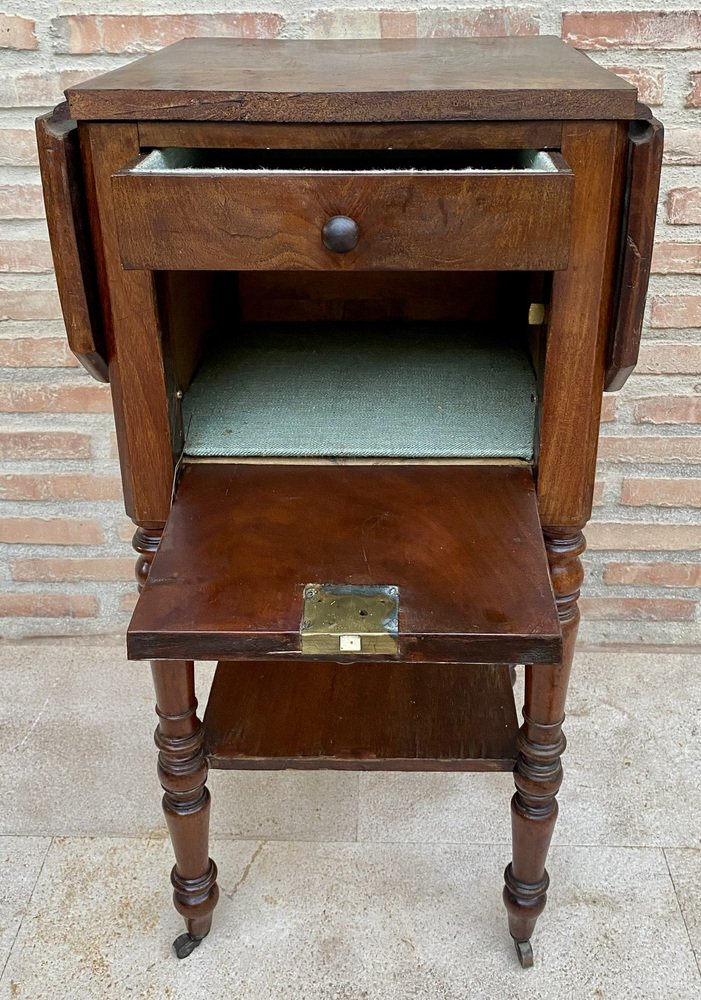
(363, 613)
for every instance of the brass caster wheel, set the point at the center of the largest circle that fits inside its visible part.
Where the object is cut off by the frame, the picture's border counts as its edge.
(525, 953)
(186, 944)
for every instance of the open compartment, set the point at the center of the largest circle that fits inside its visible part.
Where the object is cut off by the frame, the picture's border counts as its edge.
(341, 367)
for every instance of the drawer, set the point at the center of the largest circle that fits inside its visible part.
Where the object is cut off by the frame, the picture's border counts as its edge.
(199, 209)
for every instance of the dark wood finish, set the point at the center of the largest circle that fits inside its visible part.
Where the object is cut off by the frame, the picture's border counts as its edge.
(145, 542)
(69, 234)
(538, 773)
(182, 771)
(140, 393)
(463, 544)
(357, 80)
(380, 135)
(491, 297)
(645, 142)
(237, 219)
(578, 326)
(361, 716)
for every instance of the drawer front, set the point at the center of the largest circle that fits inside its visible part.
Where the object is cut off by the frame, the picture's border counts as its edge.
(332, 220)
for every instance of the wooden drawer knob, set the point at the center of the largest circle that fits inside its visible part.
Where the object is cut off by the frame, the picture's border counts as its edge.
(340, 234)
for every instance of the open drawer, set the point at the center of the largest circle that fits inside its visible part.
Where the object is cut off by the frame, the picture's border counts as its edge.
(228, 209)
(426, 563)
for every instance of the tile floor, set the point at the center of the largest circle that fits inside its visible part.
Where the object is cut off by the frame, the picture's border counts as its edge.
(340, 886)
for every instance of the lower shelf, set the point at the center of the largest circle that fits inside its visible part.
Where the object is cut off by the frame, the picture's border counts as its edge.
(362, 716)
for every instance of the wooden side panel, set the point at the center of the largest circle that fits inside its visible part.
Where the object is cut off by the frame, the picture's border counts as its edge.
(62, 181)
(133, 336)
(579, 321)
(645, 142)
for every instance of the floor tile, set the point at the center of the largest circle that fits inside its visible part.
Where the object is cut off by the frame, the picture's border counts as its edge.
(685, 868)
(351, 922)
(77, 757)
(21, 859)
(630, 769)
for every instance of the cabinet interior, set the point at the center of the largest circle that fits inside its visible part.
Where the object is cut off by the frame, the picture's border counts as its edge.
(355, 365)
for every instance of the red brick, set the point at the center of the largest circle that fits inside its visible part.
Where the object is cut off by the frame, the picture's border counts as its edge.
(661, 492)
(646, 29)
(659, 450)
(663, 358)
(50, 531)
(677, 258)
(48, 606)
(25, 256)
(18, 147)
(33, 90)
(633, 536)
(608, 408)
(398, 24)
(17, 32)
(682, 146)
(126, 531)
(654, 574)
(44, 444)
(59, 486)
(660, 609)
(497, 21)
(32, 398)
(66, 570)
(85, 33)
(36, 352)
(598, 493)
(684, 206)
(21, 201)
(30, 304)
(127, 602)
(669, 410)
(693, 99)
(648, 80)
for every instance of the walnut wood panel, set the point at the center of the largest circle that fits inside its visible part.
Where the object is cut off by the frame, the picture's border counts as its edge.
(381, 135)
(130, 311)
(578, 326)
(423, 221)
(462, 543)
(375, 296)
(69, 233)
(361, 716)
(357, 80)
(645, 143)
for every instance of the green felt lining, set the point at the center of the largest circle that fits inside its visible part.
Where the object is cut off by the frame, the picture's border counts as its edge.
(352, 390)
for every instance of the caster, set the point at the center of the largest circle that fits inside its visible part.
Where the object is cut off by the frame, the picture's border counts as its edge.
(525, 953)
(186, 944)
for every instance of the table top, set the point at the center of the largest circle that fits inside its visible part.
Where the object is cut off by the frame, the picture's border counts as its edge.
(357, 80)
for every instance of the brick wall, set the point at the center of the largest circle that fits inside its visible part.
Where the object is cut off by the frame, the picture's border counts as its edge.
(65, 562)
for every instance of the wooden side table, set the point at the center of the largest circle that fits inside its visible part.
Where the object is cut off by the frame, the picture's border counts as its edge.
(357, 302)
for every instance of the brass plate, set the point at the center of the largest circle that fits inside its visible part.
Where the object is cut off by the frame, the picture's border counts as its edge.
(346, 619)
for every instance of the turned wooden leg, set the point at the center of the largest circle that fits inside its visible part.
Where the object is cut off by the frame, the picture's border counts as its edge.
(145, 542)
(538, 773)
(182, 769)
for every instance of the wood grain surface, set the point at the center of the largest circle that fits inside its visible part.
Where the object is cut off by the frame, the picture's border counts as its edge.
(357, 80)
(361, 716)
(462, 543)
(243, 219)
(645, 143)
(69, 232)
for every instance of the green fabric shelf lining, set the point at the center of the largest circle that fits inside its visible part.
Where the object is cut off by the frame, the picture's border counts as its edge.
(300, 390)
